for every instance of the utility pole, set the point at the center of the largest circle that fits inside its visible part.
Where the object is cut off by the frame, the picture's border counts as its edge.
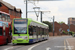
(53, 25)
(26, 8)
(41, 16)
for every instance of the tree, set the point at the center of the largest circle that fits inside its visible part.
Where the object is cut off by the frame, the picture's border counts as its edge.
(49, 24)
(61, 22)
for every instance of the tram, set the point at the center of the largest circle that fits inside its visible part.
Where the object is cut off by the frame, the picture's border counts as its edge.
(28, 31)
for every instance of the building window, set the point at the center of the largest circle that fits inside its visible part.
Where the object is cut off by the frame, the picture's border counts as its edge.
(16, 13)
(10, 12)
(19, 14)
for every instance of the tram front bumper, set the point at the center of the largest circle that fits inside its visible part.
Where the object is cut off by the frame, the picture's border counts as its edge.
(20, 41)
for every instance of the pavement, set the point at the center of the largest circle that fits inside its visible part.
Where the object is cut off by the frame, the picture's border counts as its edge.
(70, 43)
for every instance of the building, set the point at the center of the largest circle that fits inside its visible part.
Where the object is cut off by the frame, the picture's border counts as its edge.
(59, 28)
(71, 20)
(12, 10)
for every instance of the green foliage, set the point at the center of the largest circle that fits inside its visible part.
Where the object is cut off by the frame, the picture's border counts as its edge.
(65, 32)
(61, 22)
(72, 33)
(49, 24)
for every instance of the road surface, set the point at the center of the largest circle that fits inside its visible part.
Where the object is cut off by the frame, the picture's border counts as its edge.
(54, 43)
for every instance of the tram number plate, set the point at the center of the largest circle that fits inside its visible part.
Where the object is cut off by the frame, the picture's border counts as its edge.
(19, 37)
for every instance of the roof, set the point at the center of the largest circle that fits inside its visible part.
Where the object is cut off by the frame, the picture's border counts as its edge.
(10, 6)
(36, 23)
(32, 22)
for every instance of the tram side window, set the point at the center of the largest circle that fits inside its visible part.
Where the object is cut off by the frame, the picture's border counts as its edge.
(34, 30)
(42, 31)
(30, 30)
(39, 31)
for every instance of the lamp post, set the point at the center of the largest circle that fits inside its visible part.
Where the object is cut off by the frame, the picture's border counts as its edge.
(53, 25)
(26, 7)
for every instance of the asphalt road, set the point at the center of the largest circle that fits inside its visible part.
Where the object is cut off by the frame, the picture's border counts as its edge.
(54, 43)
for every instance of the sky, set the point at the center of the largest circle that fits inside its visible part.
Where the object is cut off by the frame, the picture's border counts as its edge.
(62, 10)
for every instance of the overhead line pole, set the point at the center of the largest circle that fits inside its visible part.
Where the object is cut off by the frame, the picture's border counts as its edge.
(53, 25)
(26, 8)
(41, 16)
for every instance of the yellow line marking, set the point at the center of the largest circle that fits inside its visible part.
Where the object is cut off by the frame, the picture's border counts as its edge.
(64, 45)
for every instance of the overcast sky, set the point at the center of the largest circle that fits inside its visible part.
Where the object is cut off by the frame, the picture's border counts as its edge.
(62, 10)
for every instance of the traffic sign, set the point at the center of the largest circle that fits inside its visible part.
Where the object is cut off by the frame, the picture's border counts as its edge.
(68, 30)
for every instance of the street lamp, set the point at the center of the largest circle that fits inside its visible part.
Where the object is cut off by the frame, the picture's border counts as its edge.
(26, 6)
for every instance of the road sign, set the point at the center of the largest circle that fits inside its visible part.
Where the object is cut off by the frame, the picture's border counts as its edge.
(68, 30)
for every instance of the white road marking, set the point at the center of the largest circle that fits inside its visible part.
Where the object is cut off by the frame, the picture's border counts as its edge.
(39, 44)
(48, 48)
(60, 46)
(8, 48)
(53, 38)
(36, 45)
(69, 46)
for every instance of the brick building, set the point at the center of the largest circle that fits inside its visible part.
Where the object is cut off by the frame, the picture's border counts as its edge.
(63, 27)
(11, 10)
(71, 20)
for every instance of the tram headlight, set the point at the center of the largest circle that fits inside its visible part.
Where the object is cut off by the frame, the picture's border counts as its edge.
(14, 38)
(26, 37)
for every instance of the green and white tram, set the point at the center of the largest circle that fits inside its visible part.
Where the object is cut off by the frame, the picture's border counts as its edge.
(28, 31)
